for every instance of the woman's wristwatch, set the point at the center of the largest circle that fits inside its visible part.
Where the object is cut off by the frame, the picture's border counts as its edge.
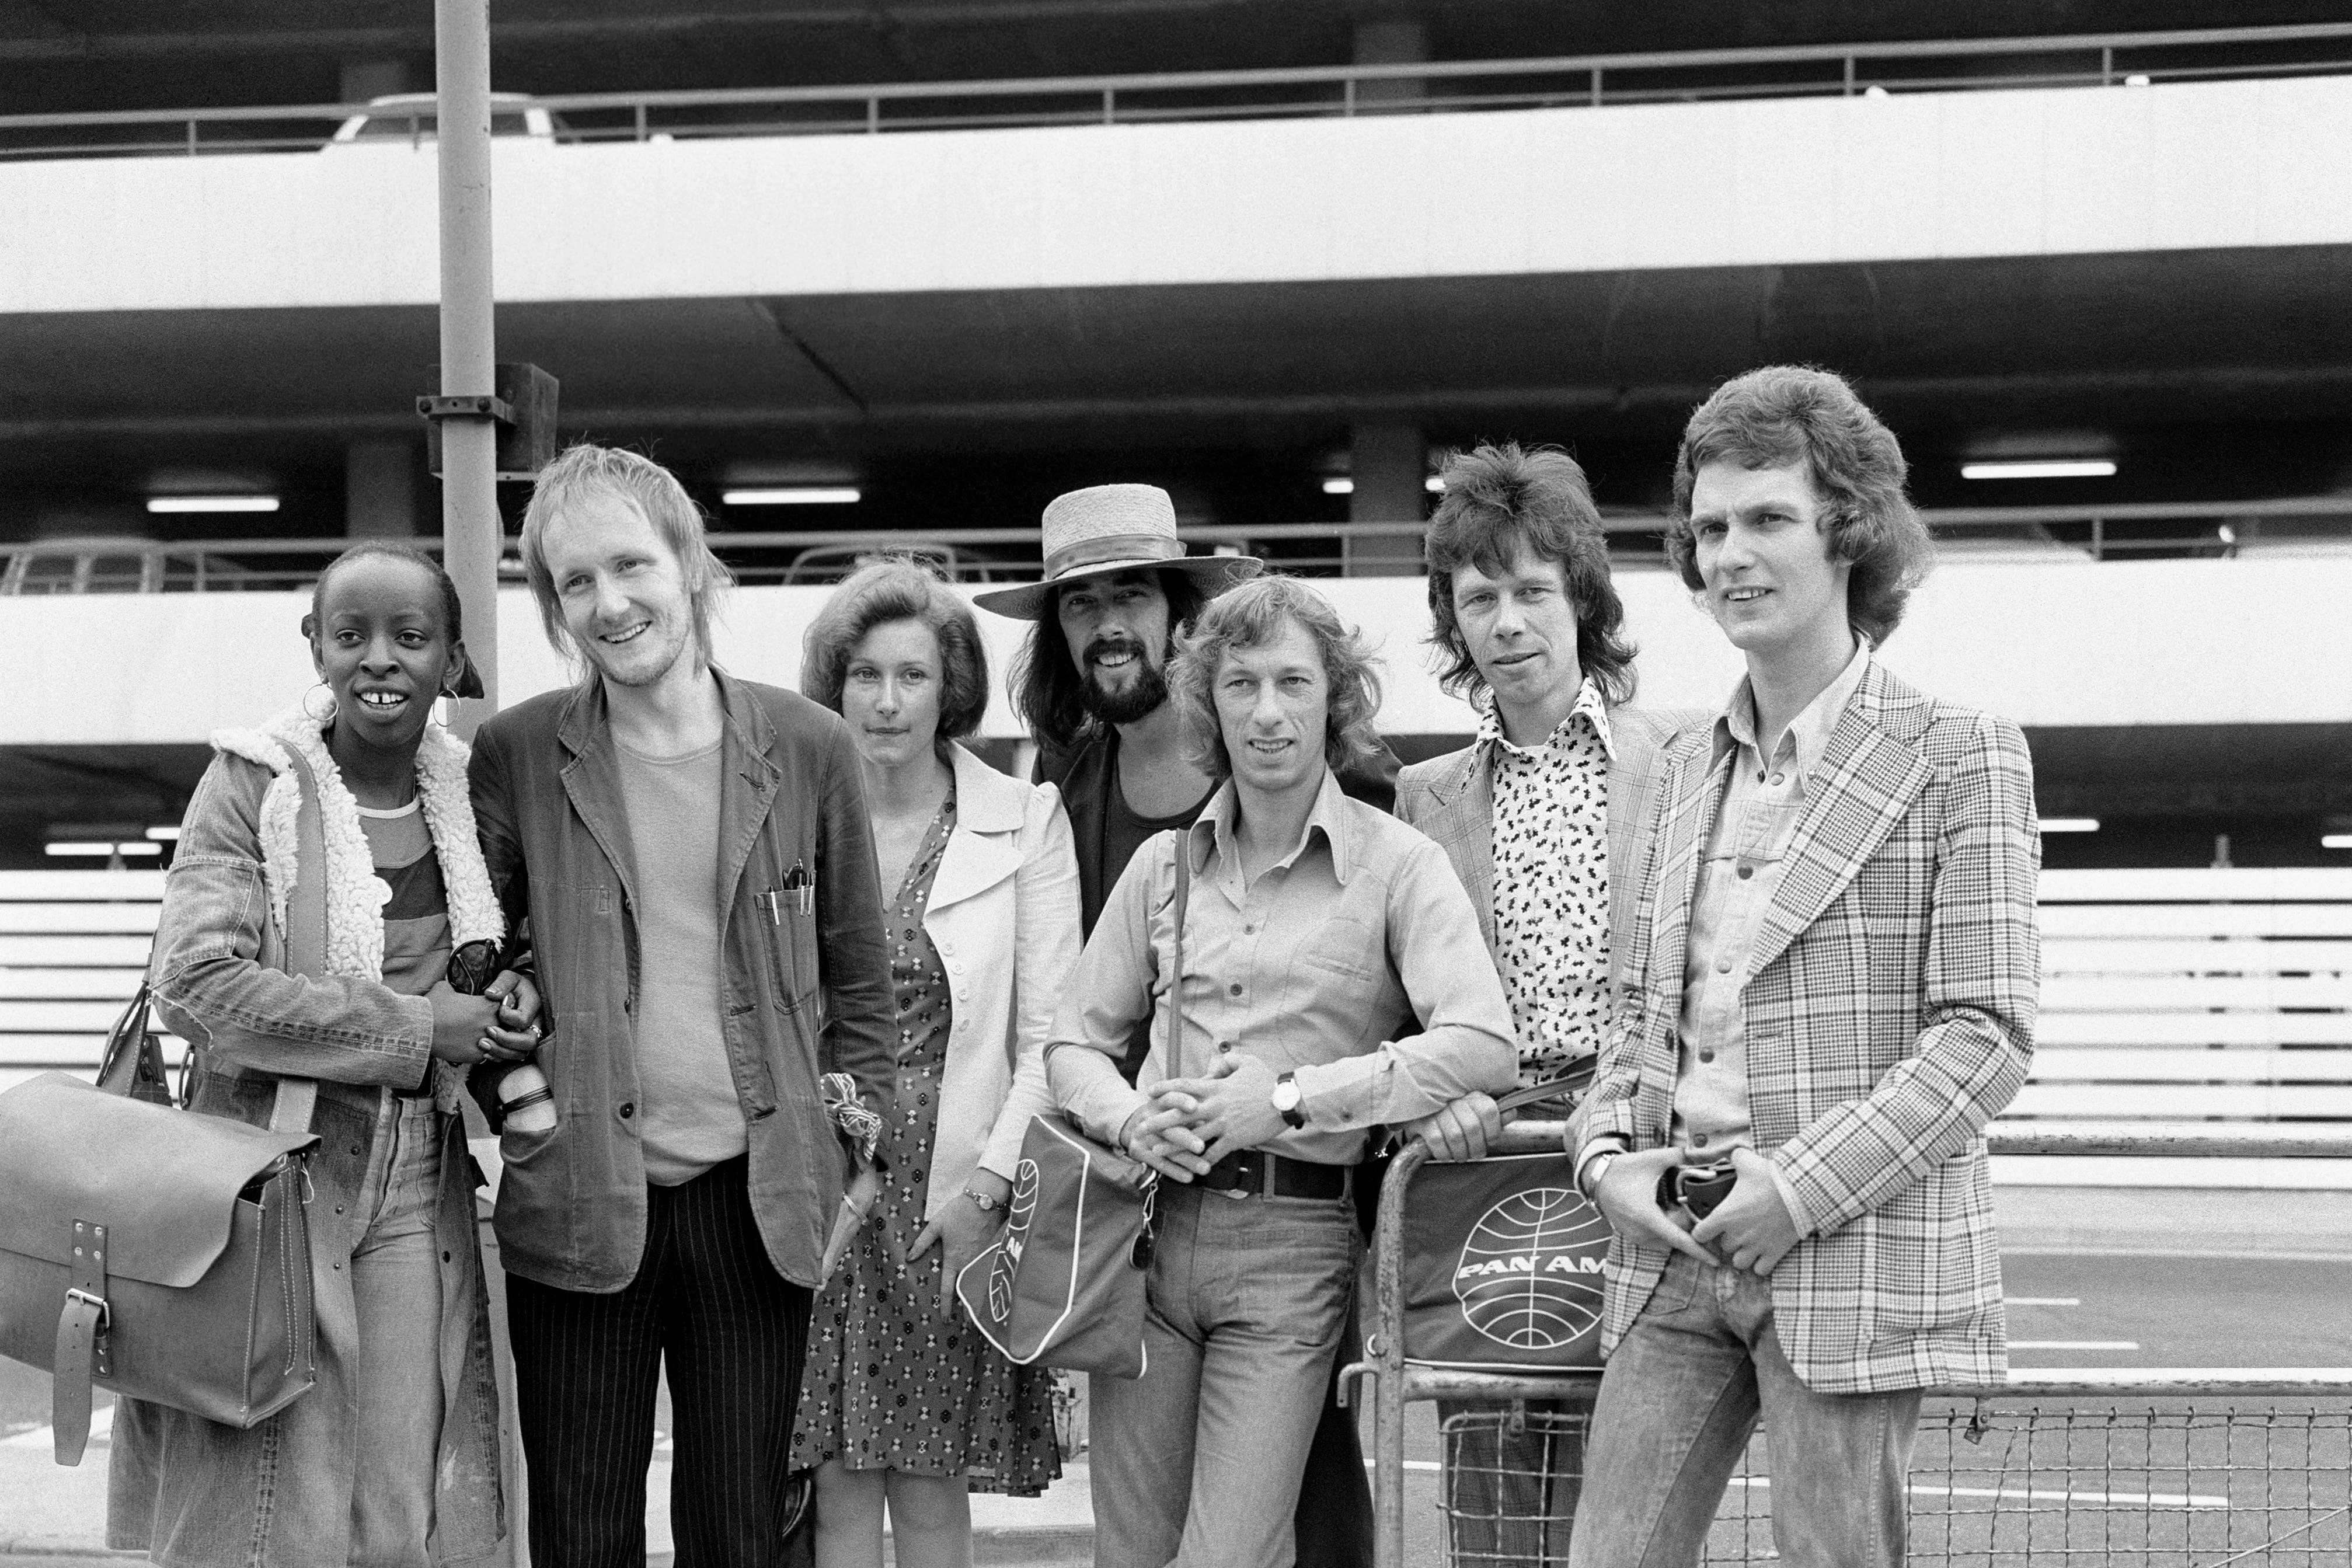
(982, 1202)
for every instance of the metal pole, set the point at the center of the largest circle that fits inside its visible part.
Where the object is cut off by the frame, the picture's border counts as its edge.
(470, 531)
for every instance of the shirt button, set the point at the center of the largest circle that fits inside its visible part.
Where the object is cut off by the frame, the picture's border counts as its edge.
(628, 1109)
(1707, 1056)
(1723, 966)
(1235, 989)
(1778, 778)
(1746, 870)
(1760, 775)
(1699, 1140)
(1249, 930)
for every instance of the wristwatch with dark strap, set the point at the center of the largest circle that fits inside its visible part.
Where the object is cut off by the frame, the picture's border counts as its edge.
(1286, 1098)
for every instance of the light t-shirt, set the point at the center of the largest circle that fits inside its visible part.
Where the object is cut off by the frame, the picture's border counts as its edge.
(688, 1116)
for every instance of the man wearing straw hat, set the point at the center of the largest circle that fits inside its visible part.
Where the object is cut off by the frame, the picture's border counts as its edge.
(1091, 683)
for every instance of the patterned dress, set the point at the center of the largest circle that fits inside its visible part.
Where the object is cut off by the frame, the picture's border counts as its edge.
(893, 1382)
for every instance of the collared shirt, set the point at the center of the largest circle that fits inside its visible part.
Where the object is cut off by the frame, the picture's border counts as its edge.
(1762, 803)
(1319, 967)
(1551, 881)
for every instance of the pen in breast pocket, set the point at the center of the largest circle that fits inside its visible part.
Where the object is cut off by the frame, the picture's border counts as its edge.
(802, 887)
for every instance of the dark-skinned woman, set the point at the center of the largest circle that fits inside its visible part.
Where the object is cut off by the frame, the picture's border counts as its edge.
(391, 1459)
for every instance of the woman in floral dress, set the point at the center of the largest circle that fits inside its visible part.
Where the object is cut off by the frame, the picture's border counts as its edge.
(903, 1402)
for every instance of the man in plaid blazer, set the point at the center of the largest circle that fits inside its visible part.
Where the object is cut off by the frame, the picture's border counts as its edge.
(1834, 969)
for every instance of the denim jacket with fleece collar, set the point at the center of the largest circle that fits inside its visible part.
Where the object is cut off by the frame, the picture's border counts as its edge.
(802, 991)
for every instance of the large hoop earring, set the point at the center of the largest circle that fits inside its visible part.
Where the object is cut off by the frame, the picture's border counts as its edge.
(319, 714)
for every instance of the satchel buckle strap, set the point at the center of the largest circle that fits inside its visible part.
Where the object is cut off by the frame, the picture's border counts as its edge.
(82, 1349)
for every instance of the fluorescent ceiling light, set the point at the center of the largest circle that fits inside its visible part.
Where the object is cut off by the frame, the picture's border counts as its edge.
(793, 495)
(2041, 469)
(212, 503)
(169, 834)
(2335, 841)
(2070, 824)
(137, 847)
(1338, 486)
(95, 848)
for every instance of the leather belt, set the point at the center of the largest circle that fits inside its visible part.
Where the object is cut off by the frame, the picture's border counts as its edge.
(1255, 1171)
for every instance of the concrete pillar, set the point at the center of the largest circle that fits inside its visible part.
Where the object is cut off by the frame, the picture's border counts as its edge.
(380, 489)
(360, 80)
(1399, 42)
(1389, 464)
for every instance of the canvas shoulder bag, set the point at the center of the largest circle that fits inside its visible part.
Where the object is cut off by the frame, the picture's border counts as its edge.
(160, 1253)
(1065, 1285)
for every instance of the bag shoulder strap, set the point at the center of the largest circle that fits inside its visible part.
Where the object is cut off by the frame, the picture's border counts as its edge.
(305, 934)
(1183, 837)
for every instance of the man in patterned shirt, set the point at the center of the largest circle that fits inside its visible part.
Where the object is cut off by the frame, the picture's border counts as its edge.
(1836, 970)
(1541, 815)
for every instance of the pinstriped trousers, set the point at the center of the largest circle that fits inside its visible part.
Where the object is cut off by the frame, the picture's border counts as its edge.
(706, 1302)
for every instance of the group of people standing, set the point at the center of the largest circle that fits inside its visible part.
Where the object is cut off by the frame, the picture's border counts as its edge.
(767, 948)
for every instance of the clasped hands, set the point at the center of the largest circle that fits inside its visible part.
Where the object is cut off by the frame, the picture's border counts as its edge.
(500, 1025)
(1751, 1230)
(1191, 1124)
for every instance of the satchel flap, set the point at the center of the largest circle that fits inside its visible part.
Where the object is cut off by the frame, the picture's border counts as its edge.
(164, 1183)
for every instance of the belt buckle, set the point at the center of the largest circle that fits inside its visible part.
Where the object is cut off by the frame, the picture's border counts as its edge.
(1253, 1168)
(105, 1312)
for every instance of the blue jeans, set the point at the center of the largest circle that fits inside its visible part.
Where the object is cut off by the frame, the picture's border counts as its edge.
(1683, 1391)
(1197, 1462)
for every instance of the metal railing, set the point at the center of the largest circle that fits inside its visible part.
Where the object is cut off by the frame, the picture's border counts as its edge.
(1689, 76)
(2123, 531)
(2151, 1467)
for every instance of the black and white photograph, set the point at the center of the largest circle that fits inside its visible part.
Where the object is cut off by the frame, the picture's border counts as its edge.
(1175, 784)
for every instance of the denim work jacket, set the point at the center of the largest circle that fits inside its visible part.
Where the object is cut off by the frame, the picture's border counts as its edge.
(805, 991)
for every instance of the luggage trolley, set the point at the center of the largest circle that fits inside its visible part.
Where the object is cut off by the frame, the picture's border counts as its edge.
(1497, 1508)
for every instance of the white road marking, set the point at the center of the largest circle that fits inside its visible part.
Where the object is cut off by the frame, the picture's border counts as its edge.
(2021, 1494)
(2044, 1300)
(2074, 1344)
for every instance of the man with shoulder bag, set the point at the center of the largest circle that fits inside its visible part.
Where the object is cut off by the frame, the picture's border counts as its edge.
(1317, 929)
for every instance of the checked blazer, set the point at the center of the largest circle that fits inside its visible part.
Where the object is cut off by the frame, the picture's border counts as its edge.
(1452, 799)
(1888, 1013)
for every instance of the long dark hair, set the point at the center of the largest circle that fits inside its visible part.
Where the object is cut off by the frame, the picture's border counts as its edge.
(1048, 692)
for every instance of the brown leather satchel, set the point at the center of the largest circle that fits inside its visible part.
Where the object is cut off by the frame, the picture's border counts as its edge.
(154, 1251)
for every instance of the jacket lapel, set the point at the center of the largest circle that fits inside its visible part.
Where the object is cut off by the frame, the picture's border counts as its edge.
(1463, 823)
(1693, 792)
(748, 779)
(592, 779)
(984, 846)
(1868, 780)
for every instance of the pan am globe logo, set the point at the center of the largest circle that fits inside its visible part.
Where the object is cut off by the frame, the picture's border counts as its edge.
(1527, 1276)
(1017, 1214)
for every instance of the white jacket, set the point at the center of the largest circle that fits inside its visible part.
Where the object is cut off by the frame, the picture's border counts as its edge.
(1004, 917)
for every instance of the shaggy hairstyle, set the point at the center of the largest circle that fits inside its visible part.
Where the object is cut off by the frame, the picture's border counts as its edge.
(453, 613)
(899, 588)
(1786, 413)
(1046, 684)
(1501, 503)
(1251, 615)
(587, 471)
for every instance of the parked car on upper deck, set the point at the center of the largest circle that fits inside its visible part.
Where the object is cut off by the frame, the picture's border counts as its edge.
(412, 116)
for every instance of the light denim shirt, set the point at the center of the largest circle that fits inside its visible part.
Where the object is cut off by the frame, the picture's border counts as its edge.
(1320, 968)
(1762, 805)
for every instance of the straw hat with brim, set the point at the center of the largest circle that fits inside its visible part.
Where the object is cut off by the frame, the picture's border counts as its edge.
(1113, 528)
